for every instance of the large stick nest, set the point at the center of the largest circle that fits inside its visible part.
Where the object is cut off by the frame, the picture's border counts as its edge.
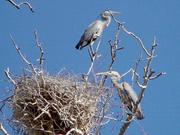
(50, 105)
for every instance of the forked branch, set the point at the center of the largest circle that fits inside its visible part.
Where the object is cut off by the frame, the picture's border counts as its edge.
(38, 44)
(22, 56)
(18, 6)
(148, 72)
(121, 25)
(3, 130)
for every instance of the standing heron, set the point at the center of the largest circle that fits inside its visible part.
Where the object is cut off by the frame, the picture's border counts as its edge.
(95, 29)
(128, 96)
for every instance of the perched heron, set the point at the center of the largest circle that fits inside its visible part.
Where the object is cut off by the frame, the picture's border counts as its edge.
(126, 93)
(95, 29)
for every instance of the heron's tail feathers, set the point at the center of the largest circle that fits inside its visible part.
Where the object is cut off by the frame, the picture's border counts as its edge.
(79, 45)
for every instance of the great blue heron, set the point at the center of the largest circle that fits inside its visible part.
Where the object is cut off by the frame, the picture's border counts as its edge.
(95, 29)
(126, 93)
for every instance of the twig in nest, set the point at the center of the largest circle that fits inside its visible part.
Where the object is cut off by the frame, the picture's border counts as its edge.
(62, 104)
(75, 130)
(18, 6)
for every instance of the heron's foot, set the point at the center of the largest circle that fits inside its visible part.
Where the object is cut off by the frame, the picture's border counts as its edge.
(94, 54)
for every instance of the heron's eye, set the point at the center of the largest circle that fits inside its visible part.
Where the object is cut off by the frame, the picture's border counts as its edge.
(106, 13)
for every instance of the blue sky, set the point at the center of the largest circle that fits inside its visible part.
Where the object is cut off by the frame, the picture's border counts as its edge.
(60, 25)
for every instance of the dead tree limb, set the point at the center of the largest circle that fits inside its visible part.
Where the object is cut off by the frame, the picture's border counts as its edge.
(38, 44)
(18, 6)
(3, 129)
(148, 72)
(7, 73)
(93, 55)
(113, 51)
(121, 25)
(22, 56)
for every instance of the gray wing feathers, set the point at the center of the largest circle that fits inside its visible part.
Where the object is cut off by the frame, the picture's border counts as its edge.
(131, 98)
(93, 31)
(130, 91)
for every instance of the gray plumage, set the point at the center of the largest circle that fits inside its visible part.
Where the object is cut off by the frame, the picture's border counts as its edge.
(95, 29)
(128, 96)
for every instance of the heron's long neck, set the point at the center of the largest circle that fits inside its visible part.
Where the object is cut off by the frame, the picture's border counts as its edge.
(115, 83)
(118, 87)
(106, 20)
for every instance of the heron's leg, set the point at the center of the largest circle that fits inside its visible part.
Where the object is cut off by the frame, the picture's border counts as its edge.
(91, 53)
(93, 38)
(92, 50)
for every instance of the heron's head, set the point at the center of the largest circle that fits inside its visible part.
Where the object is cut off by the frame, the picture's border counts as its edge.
(113, 74)
(108, 13)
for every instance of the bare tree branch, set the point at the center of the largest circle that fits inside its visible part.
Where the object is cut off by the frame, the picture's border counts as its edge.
(158, 75)
(113, 51)
(75, 130)
(22, 56)
(148, 72)
(7, 73)
(121, 25)
(103, 111)
(38, 44)
(4, 101)
(3, 129)
(18, 6)
(93, 55)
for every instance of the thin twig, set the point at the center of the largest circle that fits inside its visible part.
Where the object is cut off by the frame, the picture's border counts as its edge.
(38, 44)
(93, 56)
(7, 73)
(113, 51)
(75, 130)
(4, 101)
(22, 56)
(147, 75)
(132, 34)
(130, 70)
(103, 114)
(41, 57)
(114, 47)
(3, 129)
(18, 6)
(158, 75)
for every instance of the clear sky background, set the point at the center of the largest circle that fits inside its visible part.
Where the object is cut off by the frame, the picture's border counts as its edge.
(60, 24)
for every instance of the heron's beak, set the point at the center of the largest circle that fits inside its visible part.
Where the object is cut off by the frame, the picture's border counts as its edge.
(114, 12)
(102, 73)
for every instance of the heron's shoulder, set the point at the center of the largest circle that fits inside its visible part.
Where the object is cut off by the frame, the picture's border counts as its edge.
(130, 91)
(96, 22)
